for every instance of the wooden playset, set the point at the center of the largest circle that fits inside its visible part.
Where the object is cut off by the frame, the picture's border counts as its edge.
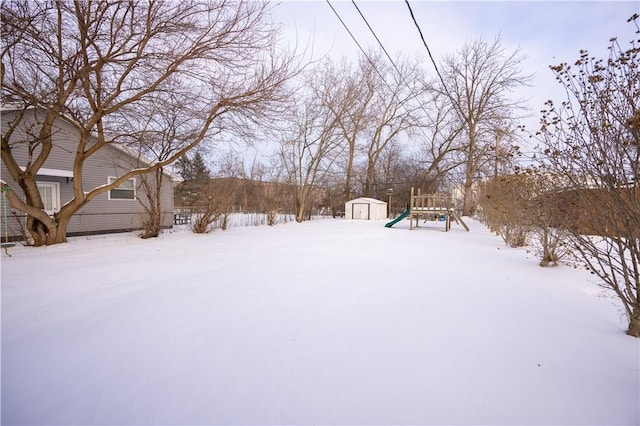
(438, 206)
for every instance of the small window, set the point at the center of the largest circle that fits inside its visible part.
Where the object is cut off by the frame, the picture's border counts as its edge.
(50, 195)
(126, 190)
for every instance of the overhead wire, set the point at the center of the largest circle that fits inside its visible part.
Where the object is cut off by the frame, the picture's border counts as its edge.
(387, 53)
(373, 64)
(435, 66)
(400, 74)
(377, 39)
(358, 44)
(424, 42)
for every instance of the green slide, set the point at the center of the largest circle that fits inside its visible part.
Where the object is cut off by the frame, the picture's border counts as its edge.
(397, 219)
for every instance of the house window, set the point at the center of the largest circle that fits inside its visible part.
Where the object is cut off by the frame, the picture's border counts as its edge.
(126, 190)
(50, 195)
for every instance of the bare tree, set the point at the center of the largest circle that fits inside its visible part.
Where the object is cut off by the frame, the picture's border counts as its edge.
(478, 81)
(229, 180)
(592, 142)
(309, 146)
(271, 191)
(374, 103)
(392, 110)
(213, 205)
(156, 135)
(152, 203)
(94, 61)
(439, 131)
(346, 94)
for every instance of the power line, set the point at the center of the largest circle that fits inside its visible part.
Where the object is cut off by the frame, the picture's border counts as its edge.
(377, 39)
(394, 64)
(371, 61)
(421, 129)
(359, 46)
(391, 59)
(424, 42)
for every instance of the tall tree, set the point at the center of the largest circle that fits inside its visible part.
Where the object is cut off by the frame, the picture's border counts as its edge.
(309, 147)
(347, 96)
(156, 134)
(392, 110)
(94, 61)
(439, 130)
(478, 80)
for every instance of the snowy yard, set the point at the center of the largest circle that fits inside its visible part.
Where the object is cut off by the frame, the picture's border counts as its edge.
(325, 322)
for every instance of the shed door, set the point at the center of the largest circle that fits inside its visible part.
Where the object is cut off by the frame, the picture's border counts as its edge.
(361, 211)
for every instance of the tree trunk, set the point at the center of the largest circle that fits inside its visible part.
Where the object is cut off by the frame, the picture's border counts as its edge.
(38, 230)
(347, 180)
(46, 234)
(300, 205)
(44, 229)
(368, 179)
(152, 224)
(634, 323)
(467, 208)
(470, 171)
(62, 221)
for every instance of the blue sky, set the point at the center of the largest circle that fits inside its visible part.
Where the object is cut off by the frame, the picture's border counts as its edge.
(546, 32)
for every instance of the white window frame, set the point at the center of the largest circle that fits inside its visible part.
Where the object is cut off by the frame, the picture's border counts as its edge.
(110, 180)
(55, 195)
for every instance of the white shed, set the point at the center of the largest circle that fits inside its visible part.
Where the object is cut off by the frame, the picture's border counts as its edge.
(365, 209)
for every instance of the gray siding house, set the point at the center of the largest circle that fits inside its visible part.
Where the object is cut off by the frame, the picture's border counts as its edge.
(118, 210)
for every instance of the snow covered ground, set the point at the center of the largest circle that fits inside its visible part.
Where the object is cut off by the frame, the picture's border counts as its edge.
(324, 322)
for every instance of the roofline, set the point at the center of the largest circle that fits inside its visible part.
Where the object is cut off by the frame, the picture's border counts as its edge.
(369, 199)
(17, 106)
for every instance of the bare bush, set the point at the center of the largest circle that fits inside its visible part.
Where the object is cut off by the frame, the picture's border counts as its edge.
(203, 221)
(592, 141)
(215, 205)
(525, 210)
(503, 202)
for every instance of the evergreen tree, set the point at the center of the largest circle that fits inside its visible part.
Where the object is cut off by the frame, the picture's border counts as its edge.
(199, 169)
(185, 167)
(195, 175)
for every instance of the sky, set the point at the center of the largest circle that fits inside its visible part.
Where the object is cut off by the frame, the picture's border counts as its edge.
(547, 33)
(329, 321)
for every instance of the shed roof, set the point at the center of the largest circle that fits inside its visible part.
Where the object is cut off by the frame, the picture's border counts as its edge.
(367, 200)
